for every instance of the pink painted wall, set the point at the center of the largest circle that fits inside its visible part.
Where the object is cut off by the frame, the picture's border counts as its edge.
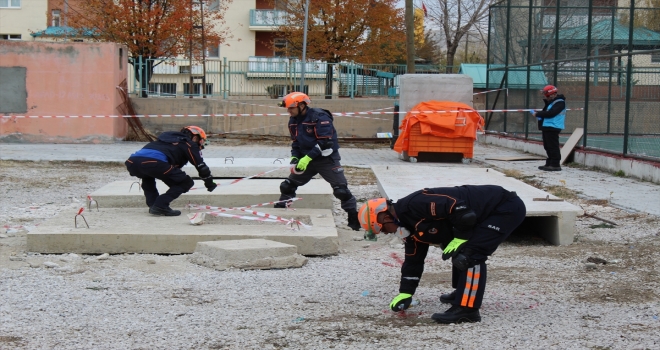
(67, 78)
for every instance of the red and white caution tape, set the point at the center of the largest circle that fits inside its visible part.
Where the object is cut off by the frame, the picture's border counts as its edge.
(260, 216)
(485, 92)
(344, 114)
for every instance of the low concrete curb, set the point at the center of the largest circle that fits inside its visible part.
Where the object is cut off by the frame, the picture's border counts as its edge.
(247, 254)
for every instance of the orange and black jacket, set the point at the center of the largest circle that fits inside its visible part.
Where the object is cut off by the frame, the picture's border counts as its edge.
(179, 150)
(432, 216)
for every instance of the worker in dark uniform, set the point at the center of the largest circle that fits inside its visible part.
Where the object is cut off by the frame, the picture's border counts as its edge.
(315, 150)
(163, 159)
(467, 222)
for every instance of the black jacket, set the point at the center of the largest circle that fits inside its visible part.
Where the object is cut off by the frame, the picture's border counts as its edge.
(314, 128)
(431, 216)
(179, 150)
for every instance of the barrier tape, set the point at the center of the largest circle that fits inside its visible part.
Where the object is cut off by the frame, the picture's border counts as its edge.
(485, 92)
(219, 211)
(339, 114)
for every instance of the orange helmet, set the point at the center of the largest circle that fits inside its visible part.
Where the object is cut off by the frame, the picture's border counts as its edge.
(368, 214)
(549, 90)
(293, 99)
(196, 130)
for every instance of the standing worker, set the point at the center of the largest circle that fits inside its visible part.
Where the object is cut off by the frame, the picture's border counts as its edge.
(315, 150)
(163, 159)
(551, 123)
(468, 222)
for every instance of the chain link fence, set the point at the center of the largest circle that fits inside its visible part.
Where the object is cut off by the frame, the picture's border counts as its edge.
(607, 67)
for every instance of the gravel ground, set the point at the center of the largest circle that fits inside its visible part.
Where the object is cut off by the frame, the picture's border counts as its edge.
(599, 293)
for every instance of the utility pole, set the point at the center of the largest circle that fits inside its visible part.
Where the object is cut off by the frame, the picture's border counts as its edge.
(190, 53)
(304, 51)
(410, 37)
(201, 10)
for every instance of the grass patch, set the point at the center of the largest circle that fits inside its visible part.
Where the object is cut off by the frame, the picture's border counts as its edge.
(620, 173)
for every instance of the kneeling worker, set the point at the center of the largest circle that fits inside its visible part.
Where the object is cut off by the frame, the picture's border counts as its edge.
(163, 159)
(468, 222)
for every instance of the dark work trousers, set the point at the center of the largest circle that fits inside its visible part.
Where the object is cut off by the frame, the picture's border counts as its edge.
(331, 171)
(488, 235)
(551, 146)
(149, 170)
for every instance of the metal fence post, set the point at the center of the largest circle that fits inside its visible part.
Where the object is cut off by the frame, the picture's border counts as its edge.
(224, 78)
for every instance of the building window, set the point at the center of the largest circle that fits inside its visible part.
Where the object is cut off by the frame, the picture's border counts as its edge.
(655, 57)
(197, 88)
(56, 18)
(162, 89)
(280, 47)
(10, 4)
(213, 51)
(10, 36)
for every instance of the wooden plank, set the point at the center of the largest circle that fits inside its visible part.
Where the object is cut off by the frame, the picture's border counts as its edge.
(570, 144)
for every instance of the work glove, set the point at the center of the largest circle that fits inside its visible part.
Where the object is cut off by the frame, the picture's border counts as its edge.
(452, 248)
(401, 302)
(303, 162)
(209, 184)
(532, 112)
(325, 152)
(294, 160)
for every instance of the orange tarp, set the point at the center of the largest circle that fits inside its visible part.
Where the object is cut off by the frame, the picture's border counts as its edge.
(440, 118)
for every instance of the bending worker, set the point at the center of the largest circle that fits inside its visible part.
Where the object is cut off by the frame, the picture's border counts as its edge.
(468, 222)
(315, 150)
(163, 159)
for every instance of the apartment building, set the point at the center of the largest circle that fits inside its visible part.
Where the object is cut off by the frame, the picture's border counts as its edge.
(20, 18)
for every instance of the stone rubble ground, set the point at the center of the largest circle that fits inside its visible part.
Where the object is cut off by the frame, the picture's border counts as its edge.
(601, 292)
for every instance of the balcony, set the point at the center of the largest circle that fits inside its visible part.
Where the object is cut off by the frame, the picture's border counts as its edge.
(267, 20)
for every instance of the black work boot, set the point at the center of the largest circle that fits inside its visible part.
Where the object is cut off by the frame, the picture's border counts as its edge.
(448, 298)
(154, 210)
(353, 221)
(457, 314)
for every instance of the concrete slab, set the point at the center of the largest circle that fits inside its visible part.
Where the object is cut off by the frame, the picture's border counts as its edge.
(556, 220)
(231, 167)
(119, 194)
(117, 230)
(247, 254)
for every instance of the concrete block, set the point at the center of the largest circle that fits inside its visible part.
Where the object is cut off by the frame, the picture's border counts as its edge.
(247, 254)
(416, 88)
(116, 231)
(127, 194)
(556, 219)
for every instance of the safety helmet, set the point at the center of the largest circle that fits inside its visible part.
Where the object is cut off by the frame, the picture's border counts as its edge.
(549, 90)
(293, 99)
(368, 214)
(196, 130)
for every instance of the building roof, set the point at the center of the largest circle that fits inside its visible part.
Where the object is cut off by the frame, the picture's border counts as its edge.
(604, 32)
(63, 32)
(515, 79)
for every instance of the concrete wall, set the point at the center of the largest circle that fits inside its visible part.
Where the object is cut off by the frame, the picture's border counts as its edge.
(358, 126)
(61, 78)
(416, 88)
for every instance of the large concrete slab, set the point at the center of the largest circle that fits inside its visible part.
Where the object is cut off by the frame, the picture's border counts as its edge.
(558, 217)
(232, 167)
(116, 230)
(247, 254)
(119, 194)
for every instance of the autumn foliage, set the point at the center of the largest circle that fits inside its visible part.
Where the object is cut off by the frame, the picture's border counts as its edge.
(370, 31)
(151, 28)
